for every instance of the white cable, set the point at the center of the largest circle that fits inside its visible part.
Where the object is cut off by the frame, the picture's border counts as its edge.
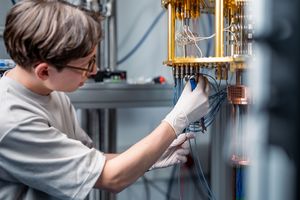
(195, 42)
(234, 35)
(187, 37)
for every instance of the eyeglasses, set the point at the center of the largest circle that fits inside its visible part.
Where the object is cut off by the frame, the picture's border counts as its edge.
(89, 69)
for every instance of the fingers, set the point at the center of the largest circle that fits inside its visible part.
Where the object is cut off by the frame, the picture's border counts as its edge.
(182, 152)
(179, 140)
(185, 145)
(187, 89)
(182, 138)
(189, 135)
(181, 159)
(203, 85)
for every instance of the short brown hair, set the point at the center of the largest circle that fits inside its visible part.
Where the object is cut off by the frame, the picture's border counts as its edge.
(52, 31)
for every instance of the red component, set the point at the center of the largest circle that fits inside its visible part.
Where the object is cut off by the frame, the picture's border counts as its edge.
(159, 80)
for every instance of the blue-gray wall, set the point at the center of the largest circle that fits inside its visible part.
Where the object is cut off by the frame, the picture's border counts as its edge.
(4, 6)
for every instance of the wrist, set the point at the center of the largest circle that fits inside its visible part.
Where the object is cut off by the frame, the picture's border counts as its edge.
(169, 128)
(177, 120)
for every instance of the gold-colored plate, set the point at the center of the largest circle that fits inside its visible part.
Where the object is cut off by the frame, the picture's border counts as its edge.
(235, 62)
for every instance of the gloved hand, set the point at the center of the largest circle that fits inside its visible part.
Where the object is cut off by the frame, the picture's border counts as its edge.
(176, 153)
(190, 107)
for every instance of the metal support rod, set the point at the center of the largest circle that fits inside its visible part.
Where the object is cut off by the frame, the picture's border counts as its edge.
(186, 22)
(105, 42)
(100, 56)
(219, 39)
(171, 31)
(89, 121)
(102, 49)
(238, 77)
(109, 131)
(108, 135)
(112, 37)
(219, 26)
(1, 31)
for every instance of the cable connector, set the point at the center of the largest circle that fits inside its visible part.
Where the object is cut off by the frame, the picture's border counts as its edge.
(193, 82)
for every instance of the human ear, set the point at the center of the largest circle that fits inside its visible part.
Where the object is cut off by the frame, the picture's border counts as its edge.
(42, 71)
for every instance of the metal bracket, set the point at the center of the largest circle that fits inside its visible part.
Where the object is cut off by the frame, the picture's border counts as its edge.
(106, 9)
(1, 31)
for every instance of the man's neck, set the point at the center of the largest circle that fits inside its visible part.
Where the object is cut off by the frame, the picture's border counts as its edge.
(28, 80)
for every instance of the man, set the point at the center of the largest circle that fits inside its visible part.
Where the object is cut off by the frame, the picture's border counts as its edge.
(44, 154)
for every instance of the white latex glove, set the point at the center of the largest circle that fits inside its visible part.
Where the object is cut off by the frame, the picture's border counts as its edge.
(190, 107)
(176, 153)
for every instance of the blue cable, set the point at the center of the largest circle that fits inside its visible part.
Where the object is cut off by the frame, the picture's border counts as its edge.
(138, 45)
(215, 105)
(240, 193)
(201, 178)
(216, 101)
(202, 174)
(193, 127)
(179, 183)
(212, 115)
(208, 119)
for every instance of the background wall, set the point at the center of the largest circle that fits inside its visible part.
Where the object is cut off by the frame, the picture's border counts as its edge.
(134, 17)
(5, 5)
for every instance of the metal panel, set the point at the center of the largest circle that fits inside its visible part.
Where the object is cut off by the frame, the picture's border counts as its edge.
(121, 95)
